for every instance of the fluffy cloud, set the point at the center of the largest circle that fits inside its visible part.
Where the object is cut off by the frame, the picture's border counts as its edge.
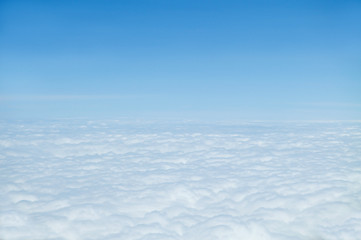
(111, 180)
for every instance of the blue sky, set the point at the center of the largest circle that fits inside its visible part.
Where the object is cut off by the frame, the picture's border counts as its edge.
(222, 60)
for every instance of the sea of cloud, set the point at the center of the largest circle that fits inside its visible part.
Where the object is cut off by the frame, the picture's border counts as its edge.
(112, 180)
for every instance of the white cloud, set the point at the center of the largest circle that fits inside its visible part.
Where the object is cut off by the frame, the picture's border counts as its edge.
(108, 180)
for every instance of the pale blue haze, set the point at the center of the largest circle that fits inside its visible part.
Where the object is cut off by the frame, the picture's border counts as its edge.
(222, 60)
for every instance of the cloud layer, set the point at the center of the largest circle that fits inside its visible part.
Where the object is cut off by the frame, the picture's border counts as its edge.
(112, 180)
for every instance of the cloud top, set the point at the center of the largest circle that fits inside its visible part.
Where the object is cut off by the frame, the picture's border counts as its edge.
(110, 180)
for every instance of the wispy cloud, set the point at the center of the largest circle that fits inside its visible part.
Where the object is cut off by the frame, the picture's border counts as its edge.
(331, 104)
(67, 97)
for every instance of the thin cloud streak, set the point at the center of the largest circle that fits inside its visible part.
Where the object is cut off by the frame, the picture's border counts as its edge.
(68, 97)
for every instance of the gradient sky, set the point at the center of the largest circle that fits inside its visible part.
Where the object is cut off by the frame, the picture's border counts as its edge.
(223, 60)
